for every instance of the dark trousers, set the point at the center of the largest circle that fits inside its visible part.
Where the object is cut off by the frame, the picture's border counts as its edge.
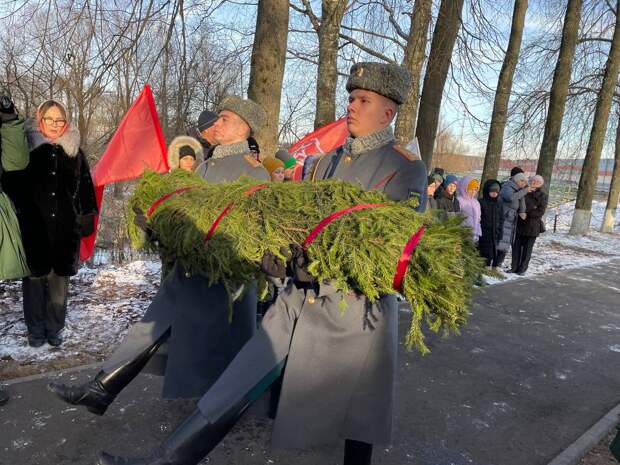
(522, 252)
(45, 304)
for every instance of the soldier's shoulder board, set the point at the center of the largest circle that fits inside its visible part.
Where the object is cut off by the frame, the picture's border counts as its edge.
(403, 152)
(253, 162)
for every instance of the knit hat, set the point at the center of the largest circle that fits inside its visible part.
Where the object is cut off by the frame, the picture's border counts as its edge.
(248, 110)
(271, 164)
(436, 177)
(519, 177)
(473, 184)
(450, 179)
(186, 151)
(286, 158)
(495, 187)
(206, 120)
(515, 170)
(390, 80)
(183, 144)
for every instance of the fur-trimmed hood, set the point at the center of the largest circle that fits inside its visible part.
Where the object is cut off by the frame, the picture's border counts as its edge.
(69, 141)
(175, 147)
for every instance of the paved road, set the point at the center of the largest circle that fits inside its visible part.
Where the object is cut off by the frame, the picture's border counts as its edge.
(535, 368)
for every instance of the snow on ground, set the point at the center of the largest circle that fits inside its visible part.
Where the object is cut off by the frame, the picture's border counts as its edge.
(106, 300)
(103, 303)
(558, 251)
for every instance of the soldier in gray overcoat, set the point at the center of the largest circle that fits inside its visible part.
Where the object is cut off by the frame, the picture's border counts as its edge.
(339, 367)
(186, 326)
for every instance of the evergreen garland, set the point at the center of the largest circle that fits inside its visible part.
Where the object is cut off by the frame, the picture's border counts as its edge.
(357, 252)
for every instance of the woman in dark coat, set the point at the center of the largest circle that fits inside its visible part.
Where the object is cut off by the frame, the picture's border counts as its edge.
(56, 205)
(529, 229)
(491, 223)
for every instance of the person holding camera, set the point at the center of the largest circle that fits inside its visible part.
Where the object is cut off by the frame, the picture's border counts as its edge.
(55, 200)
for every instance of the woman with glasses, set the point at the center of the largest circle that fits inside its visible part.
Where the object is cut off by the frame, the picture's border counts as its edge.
(55, 201)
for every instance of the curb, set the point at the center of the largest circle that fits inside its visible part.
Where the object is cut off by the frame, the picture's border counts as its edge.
(48, 374)
(584, 444)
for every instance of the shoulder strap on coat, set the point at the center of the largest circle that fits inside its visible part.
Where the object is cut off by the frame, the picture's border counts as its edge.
(410, 156)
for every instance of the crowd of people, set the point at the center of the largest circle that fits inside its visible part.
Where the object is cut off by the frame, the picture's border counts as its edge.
(335, 370)
(504, 216)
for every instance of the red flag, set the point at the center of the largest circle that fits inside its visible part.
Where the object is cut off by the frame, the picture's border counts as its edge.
(137, 144)
(323, 140)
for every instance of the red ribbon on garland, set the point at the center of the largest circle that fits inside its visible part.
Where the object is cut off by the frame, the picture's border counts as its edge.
(226, 210)
(405, 258)
(165, 197)
(319, 227)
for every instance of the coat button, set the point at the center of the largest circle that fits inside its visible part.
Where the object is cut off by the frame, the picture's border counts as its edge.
(188, 274)
(311, 300)
(52, 215)
(53, 173)
(53, 194)
(347, 159)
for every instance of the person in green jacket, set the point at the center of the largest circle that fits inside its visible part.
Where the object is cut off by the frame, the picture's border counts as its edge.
(14, 156)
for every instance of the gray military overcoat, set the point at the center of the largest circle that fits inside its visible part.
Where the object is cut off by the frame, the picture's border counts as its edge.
(202, 341)
(340, 367)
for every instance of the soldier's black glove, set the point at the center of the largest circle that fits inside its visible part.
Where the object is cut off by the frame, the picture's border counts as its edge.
(141, 222)
(273, 266)
(87, 224)
(298, 265)
(7, 109)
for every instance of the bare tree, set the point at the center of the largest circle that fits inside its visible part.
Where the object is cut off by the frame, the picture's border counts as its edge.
(613, 196)
(444, 36)
(413, 62)
(559, 91)
(267, 71)
(589, 172)
(502, 93)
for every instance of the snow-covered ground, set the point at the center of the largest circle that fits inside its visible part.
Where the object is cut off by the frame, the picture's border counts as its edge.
(557, 251)
(105, 301)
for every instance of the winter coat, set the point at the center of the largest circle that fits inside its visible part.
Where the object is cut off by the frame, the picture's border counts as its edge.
(55, 199)
(340, 366)
(469, 207)
(491, 221)
(510, 196)
(448, 203)
(535, 206)
(14, 156)
(203, 341)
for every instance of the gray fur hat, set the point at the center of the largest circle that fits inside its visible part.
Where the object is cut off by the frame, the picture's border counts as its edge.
(175, 147)
(391, 81)
(248, 110)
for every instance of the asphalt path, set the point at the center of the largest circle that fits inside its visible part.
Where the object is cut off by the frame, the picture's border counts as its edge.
(534, 369)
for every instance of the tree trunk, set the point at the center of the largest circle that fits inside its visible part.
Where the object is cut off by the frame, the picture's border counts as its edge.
(444, 36)
(502, 94)
(267, 69)
(327, 73)
(413, 61)
(613, 197)
(559, 90)
(589, 172)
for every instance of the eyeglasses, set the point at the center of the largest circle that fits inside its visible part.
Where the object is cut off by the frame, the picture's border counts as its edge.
(54, 122)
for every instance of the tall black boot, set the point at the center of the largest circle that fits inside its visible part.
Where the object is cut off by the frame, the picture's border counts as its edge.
(357, 452)
(189, 443)
(98, 394)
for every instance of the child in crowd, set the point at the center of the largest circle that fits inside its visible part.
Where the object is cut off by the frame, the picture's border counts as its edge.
(491, 224)
(446, 198)
(275, 168)
(467, 194)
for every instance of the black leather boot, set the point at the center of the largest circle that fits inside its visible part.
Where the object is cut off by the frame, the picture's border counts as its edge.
(99, 393)
(189, 443)
(357, 452)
